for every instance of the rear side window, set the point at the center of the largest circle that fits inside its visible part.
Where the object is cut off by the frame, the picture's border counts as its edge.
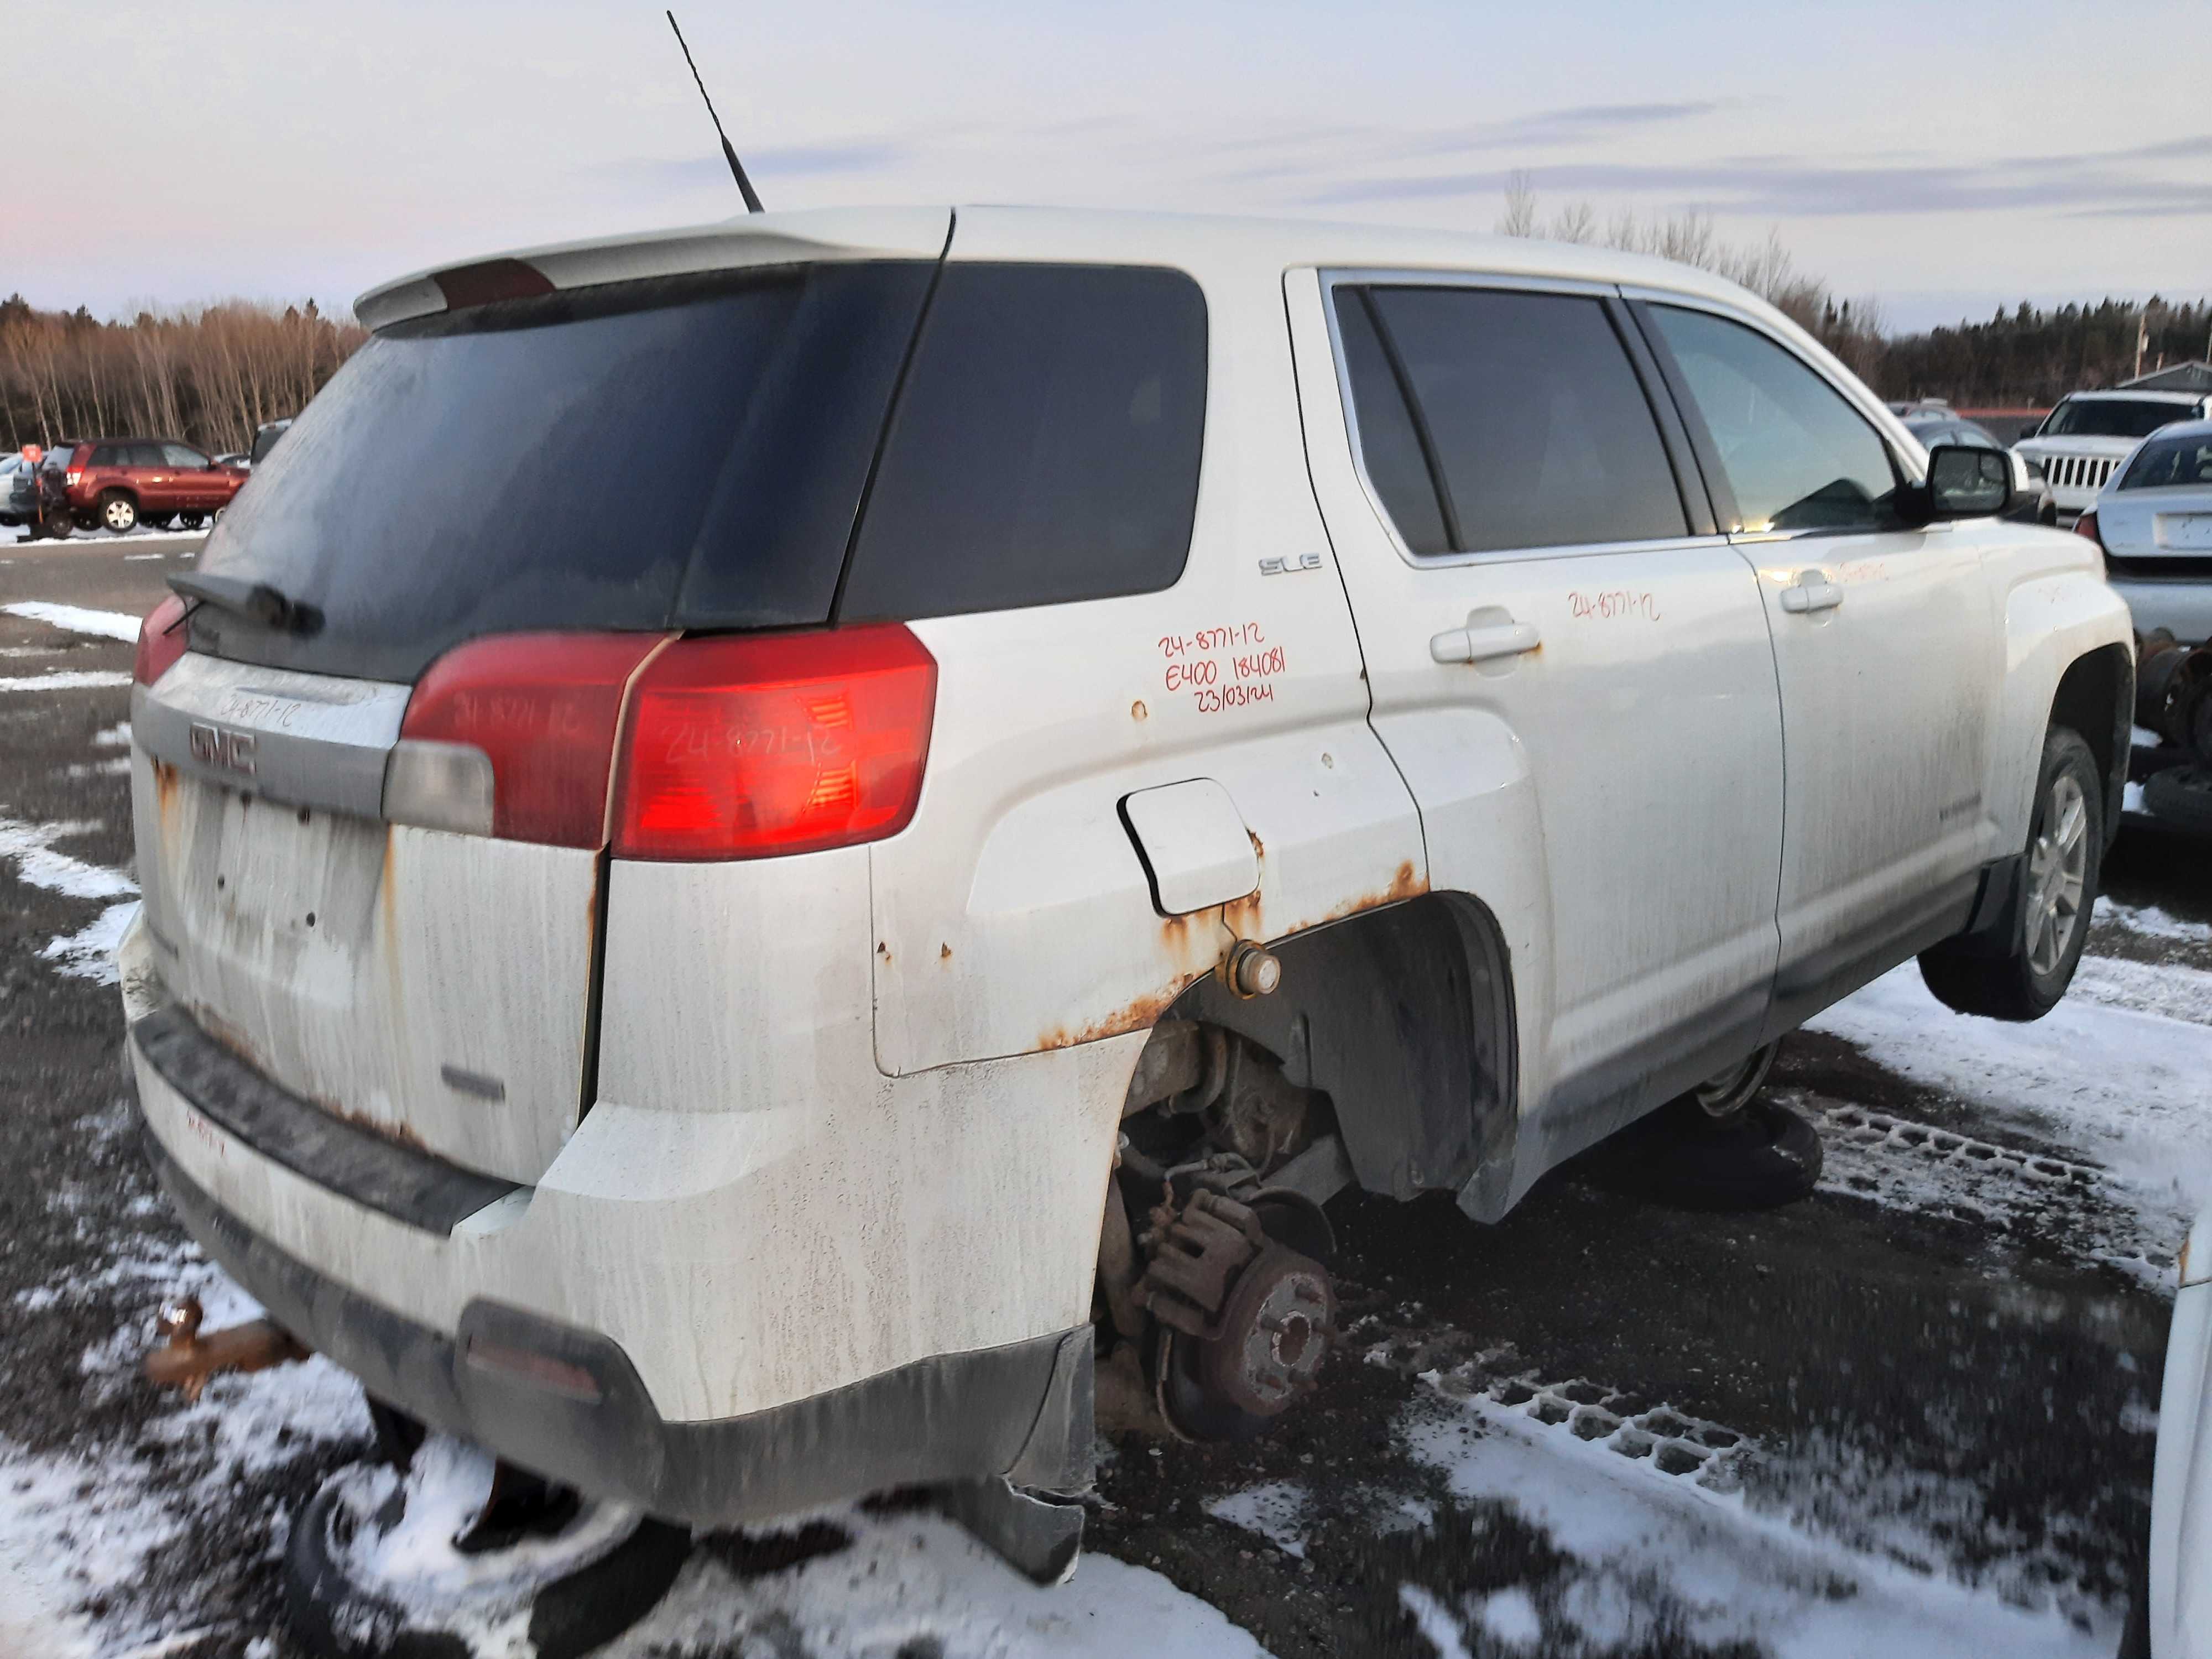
(581, 459)
(1392, 448)
(1537, 431)
(1045, 447)
(2166, 463)
(108, 455)
(1796, 454)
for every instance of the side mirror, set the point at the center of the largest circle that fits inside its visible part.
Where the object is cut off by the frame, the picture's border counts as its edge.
(1968, 482)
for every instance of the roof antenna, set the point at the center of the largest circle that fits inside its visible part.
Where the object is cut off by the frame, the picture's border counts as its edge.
(737, 169)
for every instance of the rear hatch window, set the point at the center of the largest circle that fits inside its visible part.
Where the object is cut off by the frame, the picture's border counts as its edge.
(562, 461)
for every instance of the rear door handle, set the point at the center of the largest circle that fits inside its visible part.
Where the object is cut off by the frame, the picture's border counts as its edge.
(1481, 644)
(1813, 592)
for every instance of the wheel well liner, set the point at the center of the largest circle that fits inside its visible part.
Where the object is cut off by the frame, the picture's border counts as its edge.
(2096, 698)
(1404, 1017)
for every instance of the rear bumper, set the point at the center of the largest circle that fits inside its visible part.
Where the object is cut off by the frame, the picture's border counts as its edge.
(2183, 608)
(668, 1317)
(581, 1415)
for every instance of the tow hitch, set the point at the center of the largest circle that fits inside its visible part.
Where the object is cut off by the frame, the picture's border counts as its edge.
(186, 1359)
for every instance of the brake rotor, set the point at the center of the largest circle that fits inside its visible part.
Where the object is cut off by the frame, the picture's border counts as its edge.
(1245, 1320)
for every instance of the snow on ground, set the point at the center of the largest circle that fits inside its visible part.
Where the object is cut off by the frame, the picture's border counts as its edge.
(916, 1583)
(2115, 1075)
(101, 537)
(1655, 1553)
(73, 1528)
(76, 619)
(89, 953)
(29, 847)
(83, 680)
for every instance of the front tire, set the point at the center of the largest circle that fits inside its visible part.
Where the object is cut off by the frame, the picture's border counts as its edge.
(118, 513)
(2028, 970)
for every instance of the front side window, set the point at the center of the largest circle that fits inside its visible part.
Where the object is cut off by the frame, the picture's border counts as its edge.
(1796, 454)
(2109, 417)
(2169, 463)
(1522, 412)
(184, 458)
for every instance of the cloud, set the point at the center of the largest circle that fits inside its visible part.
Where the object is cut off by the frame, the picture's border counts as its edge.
(1782, 187)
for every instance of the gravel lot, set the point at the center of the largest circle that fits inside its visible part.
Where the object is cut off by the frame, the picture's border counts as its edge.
(1915, 1413)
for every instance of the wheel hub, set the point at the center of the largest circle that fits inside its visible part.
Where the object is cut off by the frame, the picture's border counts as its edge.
(1275, 1331)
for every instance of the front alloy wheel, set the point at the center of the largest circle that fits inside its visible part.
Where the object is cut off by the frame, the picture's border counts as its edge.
(2057, 874)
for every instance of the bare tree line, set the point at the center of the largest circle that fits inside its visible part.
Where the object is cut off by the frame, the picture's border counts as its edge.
(2027, 357)
(210, 375)
(1852, 330)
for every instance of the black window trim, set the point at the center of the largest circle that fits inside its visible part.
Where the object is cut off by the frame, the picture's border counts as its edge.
(1699, 511)
(1869, 409)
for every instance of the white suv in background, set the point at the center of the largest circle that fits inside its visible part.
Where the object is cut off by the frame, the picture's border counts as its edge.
(1149, 716)
(2090, 433)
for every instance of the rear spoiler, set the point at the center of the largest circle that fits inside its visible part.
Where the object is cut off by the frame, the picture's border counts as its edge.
(766, 239)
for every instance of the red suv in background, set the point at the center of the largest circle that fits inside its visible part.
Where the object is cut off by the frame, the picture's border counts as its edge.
(119, 483)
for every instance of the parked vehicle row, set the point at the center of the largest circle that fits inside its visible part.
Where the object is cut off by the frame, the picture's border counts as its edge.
(119, 483)
(2081, 444)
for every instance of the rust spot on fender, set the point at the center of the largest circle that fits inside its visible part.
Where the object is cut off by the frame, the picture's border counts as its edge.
(1407, 883)
(1141, 1014)
(1246, 917)
(165, 795)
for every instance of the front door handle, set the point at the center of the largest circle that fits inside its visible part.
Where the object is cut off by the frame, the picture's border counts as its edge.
(1481, 643)
(1813, 592)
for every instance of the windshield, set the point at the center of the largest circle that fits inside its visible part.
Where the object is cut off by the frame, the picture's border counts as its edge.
(559, 462)
(2109, 417)
(2165, 463)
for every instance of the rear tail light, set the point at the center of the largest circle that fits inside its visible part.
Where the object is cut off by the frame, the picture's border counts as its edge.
(71, 478)
(161, 640)
(748, 746)
(731, 747)
(2087, 526)
(515, 736)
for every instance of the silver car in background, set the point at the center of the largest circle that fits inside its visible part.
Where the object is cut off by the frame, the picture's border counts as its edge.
(2153, 519)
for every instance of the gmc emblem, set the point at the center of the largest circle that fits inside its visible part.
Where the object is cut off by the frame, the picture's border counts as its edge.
(217, 745)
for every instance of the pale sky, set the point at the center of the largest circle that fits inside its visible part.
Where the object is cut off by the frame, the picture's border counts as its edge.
(1943, 159)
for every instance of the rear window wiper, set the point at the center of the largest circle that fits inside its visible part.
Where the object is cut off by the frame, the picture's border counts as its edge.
(256, 601)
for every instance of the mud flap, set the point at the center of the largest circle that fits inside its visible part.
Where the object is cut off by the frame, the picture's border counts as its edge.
(1039, 1536)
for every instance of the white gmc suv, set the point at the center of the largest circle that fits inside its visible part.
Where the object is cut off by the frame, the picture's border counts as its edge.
(1068, 713)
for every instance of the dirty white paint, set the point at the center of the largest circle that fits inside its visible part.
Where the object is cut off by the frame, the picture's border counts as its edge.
(753, 1210)
(1615, 794)
(356, 963)
(1014, 914)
